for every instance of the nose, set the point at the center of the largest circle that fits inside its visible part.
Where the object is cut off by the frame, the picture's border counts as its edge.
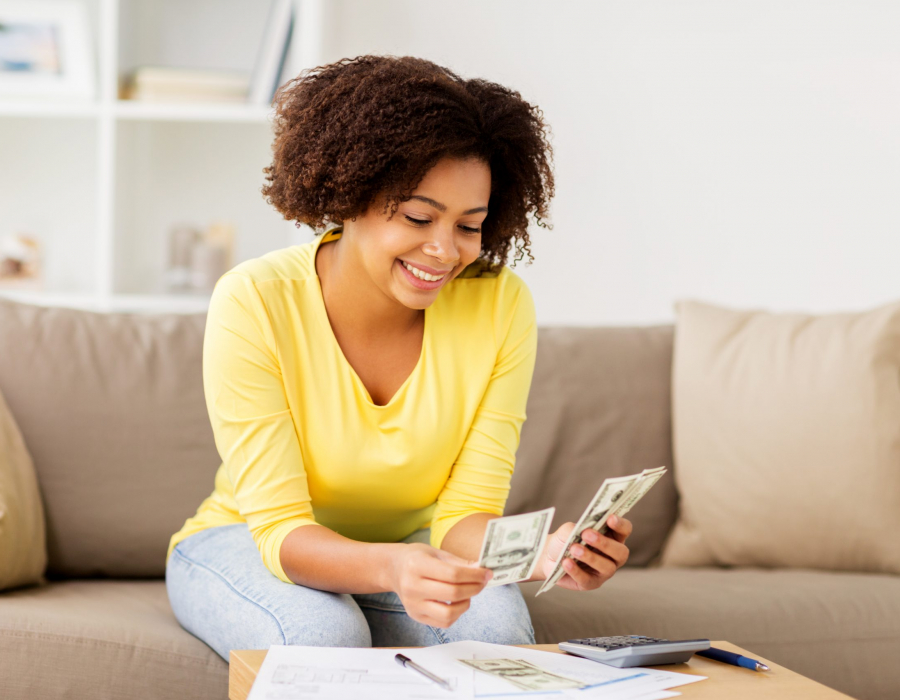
(442, 245)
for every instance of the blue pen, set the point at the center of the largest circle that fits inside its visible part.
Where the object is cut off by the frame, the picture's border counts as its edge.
(728, 657)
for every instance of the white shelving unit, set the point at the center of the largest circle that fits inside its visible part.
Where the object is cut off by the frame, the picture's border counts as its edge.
(101, 183)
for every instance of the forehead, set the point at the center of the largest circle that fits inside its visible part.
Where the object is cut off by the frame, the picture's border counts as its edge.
(453, 181)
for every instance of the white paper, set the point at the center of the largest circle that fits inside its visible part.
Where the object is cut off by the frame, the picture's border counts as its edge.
(342, 673)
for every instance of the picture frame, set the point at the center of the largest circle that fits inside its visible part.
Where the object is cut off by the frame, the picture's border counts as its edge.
(46, 50)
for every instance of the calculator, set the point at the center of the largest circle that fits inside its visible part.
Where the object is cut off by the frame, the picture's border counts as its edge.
(634, 650)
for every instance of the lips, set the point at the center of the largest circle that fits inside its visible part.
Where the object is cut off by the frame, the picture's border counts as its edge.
(420, 283)
(425, 268)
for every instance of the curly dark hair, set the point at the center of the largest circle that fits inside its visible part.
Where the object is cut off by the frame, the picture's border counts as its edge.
(352, 131)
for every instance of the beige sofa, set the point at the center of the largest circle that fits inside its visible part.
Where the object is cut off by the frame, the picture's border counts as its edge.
(111, 408)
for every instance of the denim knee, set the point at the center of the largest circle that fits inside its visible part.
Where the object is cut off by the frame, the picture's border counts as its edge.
(221, 592)
(200, 603)
(324, 620)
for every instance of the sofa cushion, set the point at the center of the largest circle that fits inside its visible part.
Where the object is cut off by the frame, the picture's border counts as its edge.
(111, 408)
(599, 407)
(101, 639)
(786, 433)
(839, 629)
(23, 542)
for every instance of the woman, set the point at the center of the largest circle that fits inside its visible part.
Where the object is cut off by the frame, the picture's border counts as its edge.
(367, 389)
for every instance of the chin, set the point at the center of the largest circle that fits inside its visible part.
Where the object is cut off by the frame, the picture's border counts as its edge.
(416, 304)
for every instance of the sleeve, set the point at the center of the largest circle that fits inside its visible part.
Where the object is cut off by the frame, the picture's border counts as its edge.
(252, 424)
(480, 478)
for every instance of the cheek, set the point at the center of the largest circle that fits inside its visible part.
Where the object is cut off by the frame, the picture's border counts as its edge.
(394, 268)
(473, 247)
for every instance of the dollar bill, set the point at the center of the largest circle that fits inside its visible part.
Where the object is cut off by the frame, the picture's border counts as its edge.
(523, 675)
(614, 497)
(513, 545)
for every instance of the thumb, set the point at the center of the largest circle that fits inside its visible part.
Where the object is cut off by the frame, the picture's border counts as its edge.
(451, 558)
(562, 534)
(560, 537)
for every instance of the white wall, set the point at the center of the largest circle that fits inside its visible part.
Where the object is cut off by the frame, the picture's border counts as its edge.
(745, 152)
(47, 152)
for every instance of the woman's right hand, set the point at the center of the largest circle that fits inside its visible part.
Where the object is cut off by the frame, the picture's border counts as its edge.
(435, 586)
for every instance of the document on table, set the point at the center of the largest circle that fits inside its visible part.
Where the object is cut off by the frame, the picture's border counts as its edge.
(345, 673)
(310, 673)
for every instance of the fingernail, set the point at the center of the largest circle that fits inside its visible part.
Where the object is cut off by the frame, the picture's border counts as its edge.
(568, 563)
(489, 575)
(613, 520)
(577, 550)
(591, 536)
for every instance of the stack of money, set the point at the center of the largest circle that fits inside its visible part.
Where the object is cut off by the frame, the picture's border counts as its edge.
(513, 545)
(523, 675)
(614, 497)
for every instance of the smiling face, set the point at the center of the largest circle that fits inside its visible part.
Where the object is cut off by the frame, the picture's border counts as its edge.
(437, 231)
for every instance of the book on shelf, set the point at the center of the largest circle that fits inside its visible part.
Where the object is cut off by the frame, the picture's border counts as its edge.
(183, 84)
(270, 58)
(172, 84)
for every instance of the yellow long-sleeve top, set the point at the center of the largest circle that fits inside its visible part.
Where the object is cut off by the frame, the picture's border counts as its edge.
(302, 442)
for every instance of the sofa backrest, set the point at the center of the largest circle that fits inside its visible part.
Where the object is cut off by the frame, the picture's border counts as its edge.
(111, 408)
(599, 406)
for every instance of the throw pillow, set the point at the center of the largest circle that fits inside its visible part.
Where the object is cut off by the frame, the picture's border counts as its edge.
(786, 439)
(23, 545)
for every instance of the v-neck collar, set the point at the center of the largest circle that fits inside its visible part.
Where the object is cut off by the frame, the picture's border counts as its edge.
(330, 235)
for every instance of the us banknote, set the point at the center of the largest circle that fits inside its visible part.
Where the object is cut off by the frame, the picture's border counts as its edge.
(614, 497)
(523, 675)
(513, 545)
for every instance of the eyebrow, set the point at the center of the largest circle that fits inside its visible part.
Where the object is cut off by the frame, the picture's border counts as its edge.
(443, 207)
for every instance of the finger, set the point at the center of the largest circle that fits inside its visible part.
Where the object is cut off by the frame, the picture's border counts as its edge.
(604, 566)
(581, 578)
(439, 568)
(568, 583)
(432, 622)
(615, 550)
(453, 592)
(606, 545)
(425, 619)
(443, 614)
(620, 528)
(451, 558)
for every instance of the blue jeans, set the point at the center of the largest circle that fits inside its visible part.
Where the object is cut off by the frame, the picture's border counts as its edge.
(222, 593)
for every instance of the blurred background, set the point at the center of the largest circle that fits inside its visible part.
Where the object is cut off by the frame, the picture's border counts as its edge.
(744, 153)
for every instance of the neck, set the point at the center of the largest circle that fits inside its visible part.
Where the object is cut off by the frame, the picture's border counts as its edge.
(352, 299)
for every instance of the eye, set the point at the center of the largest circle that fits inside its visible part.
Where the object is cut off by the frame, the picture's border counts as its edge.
(420, 222)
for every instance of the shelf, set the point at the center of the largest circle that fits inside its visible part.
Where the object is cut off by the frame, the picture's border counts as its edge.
(193, 112)
(35, 108)
(143, 303)
(123, 172)
(234, 113)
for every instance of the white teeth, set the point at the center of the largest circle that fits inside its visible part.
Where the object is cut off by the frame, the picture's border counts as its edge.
(418, 273)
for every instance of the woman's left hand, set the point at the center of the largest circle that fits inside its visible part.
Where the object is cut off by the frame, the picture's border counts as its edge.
(594, 562)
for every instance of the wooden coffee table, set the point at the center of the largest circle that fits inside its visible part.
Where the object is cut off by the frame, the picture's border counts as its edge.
(724, 681)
